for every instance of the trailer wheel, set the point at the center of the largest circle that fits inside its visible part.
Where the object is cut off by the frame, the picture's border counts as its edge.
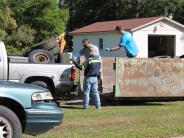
(41, 56)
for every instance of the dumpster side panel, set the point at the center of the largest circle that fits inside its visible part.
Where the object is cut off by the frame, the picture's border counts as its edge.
(108, 74)
(156, 77)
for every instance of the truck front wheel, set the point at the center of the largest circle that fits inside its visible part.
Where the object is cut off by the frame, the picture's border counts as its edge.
(42, 84)
(10, 126)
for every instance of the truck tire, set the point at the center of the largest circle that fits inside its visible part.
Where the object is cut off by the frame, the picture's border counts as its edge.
(41, 56)
(10, 126)
(42, 84)
(46, 44)
(55, 50)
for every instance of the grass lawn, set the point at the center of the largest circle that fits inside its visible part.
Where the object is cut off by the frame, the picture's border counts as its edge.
(126, 121)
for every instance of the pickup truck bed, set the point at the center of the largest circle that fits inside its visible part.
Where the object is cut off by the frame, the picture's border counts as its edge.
(55, 77)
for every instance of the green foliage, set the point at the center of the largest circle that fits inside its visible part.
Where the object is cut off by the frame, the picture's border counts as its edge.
(84, 12)
(179, 11)
(22, 37)
(42, 15)
(25, 22)
(7, 22)
(2, 34)
(52, 23)
(15, 51)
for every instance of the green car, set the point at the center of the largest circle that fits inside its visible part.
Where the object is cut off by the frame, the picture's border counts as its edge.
(26, 109)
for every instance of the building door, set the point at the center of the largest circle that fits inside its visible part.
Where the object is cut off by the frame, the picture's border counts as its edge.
(161, 45)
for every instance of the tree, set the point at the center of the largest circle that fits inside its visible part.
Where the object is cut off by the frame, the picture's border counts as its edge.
(7, 22)
(41, 15)
(24, 22)
(84, 12)
(22, 37)
(179, 11)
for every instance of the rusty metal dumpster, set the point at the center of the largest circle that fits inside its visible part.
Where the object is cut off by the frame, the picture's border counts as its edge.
(151, 77)
(136, 78)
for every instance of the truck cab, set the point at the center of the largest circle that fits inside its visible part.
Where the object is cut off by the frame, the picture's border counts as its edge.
(3, 62)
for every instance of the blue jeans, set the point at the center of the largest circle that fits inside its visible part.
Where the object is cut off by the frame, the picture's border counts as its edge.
(91, 83)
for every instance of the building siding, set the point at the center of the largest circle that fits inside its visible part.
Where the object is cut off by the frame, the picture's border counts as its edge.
(163, 28)
(111, 39)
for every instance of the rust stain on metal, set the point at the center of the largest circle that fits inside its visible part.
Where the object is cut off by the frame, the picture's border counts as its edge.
(108, 74)
(149, 77)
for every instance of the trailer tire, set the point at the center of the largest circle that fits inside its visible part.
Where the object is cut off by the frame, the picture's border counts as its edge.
(41, 56)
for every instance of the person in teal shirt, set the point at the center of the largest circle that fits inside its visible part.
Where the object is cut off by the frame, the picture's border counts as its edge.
(127, 42)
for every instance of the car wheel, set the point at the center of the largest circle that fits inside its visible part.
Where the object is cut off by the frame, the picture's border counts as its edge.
(41, 56)
(10, 126)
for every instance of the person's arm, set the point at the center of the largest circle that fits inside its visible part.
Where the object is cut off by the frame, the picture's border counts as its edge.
(122, 43)
(79, 54)
(114, 48)
(80, 67)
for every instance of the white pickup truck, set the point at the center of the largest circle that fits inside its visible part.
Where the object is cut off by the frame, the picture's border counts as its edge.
(55, 77)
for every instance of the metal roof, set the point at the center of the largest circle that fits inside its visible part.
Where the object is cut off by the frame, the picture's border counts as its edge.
(129, 24)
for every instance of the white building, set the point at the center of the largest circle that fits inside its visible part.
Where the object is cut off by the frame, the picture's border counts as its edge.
(154, 36)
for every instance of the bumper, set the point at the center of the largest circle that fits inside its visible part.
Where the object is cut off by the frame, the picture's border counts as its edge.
(42, 117)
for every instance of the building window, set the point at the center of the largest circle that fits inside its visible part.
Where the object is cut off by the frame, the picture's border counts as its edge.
(101, 43)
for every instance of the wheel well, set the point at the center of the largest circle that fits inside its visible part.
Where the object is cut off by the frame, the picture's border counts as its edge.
(47, 80)
(16, 108)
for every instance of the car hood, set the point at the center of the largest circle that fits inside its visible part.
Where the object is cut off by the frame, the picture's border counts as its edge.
(16, 85)
(19, 92)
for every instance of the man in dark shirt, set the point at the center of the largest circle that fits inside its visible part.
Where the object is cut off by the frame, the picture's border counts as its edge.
(91, 72)
(85, 51)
